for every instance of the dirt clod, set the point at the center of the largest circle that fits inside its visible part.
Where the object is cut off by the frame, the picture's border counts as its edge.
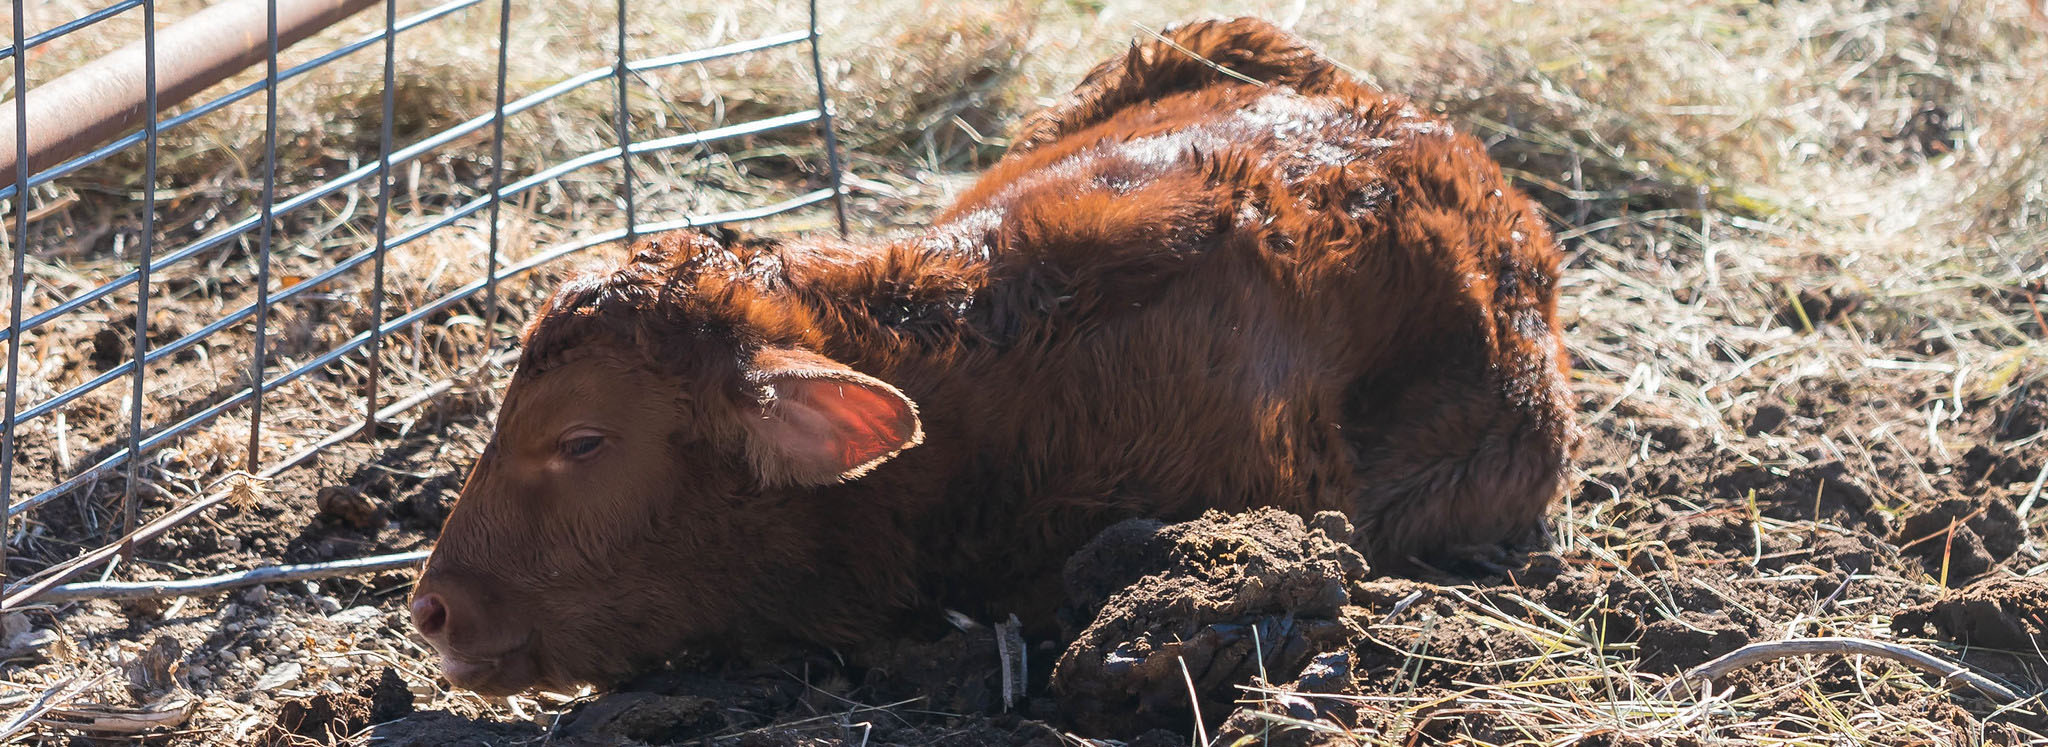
(323, 716)
(2025, 416)
(1961, 538)
(150, 672)
(349, 506)
(2000, 612)
(326, 716)
(1766, 419)
(1205, 604)
(1300, 704)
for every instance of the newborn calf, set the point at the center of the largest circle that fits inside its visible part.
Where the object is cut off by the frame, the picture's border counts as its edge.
(1179, 291)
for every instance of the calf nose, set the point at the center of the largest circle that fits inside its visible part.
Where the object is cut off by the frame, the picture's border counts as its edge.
(430, 615)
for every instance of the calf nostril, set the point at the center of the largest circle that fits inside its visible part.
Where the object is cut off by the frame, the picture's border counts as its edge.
(429, 614)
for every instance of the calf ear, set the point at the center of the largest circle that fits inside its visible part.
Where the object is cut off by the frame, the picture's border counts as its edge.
(822, 422)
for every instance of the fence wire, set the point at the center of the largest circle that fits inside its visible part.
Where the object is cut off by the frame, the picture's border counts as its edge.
(268, 370)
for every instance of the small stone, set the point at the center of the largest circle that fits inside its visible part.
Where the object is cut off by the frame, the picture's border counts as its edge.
(13, 624)
(31, 641)
(328, 605)
(254, 665)
(1327, 674)
(198, 673)
(340, 666)
(256, 595)
(270, 659)
(356, 615)
(284, 675)
(1294, 706)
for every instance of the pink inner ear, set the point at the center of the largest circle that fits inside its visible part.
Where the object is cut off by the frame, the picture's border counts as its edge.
(823, 429)
(865, 423)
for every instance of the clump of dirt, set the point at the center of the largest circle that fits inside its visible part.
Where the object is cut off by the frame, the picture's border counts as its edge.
(349, 506)
(2025, 416)
(327, 716)
(1823, 491)
(150, 672)
(1984, 465)
(1961, 537)
(1203, 605)
(1766, 419)
(1702, 624)
(2000, 612)
(1329, 674)
(114, 342)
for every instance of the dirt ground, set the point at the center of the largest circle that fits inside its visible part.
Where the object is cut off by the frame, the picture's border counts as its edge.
(1806, 338)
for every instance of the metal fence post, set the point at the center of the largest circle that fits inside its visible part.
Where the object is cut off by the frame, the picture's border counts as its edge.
(625, 127)
(384, 183)
(825, 125)
(497, 183)
(269, 220)
(16, 285)
(130, 501)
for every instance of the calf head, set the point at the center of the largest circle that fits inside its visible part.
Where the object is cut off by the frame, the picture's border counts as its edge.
(648, 481)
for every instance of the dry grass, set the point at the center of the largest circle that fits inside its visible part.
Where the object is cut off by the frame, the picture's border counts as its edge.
(1706, 163)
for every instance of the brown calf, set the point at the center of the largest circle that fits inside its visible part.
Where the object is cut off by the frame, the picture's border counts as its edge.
(1179, 291)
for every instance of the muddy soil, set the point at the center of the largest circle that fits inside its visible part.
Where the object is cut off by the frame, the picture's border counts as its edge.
(1200, 606)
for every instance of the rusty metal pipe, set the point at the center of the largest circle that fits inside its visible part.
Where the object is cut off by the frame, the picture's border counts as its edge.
(104, 98)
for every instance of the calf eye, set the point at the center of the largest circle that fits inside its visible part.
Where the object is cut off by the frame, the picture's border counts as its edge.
(583, 446)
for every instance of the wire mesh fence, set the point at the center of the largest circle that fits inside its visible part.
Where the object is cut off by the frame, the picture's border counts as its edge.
(283, 280)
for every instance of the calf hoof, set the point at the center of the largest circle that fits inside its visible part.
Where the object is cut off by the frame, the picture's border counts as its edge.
(1509, 557)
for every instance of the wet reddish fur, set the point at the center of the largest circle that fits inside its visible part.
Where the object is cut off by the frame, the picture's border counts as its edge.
(1178, 291)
